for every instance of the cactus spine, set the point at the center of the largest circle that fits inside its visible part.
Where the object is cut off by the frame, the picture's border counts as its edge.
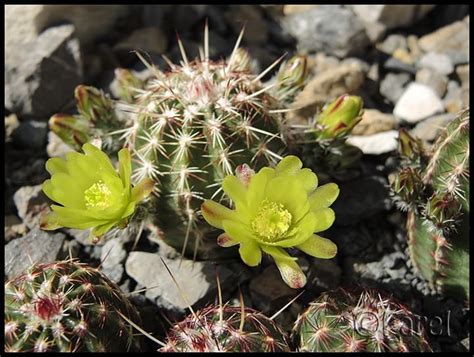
(226, 329)
(347, 321)
(433, 187)
(67, 306)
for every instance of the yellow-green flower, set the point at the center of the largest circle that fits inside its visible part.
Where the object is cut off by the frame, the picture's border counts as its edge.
(276, 209)
(91, 192)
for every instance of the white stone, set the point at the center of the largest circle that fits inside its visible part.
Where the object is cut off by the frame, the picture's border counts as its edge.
(375, 144)
(417, 102)
(439, 62)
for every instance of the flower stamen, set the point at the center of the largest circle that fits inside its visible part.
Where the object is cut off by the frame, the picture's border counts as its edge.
(271, 222)
(97, 196)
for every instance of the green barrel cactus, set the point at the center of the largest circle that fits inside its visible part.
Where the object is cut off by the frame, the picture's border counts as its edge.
(226, 329)
(433, 187)
(187, 129)
(67, 306)
(358, 321)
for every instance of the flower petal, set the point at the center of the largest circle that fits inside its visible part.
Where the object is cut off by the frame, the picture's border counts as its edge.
(257, 186)
(56, 165)
(303, 230)
(142, 189)
(64, 189)
(125, 167)
(289, 269)
(103, 160)
(250, 253)
(324, 196)
(308, 179)
(285, 190)
(214, 213)
(99, 231)
(224, 240)
(319, 247)
(49, 222)
(235, 189)
(289, 165)
(325, 218)
(237, 231)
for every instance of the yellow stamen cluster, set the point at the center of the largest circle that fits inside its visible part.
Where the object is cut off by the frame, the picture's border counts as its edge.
(271, 222)
(97, 196)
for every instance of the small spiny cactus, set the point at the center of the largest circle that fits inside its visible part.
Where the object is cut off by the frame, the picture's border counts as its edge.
(67, 306)
(226, 329)
(433, 187)
(346, 321)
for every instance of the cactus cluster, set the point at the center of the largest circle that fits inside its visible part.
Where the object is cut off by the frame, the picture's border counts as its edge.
(226, 329)
(433, 187)
(67, 306)
(362, 321)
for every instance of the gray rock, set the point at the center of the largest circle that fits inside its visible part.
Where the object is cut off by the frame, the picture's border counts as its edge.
(113, 255)
(36, 246)
(196, 279)
(430, 128)
(361, 199)
(436, 81)
(256, 28)
(389, 266)
(374, 121)
(31, 134)
(456, 97)
(14, 227)
(393, 42)
(82, 236)
(393, 84)
(439, 62)
(324, 274)
(463, 75)
(396, 65)
(31, 203)
(11, 125)
(392, 16)
(452, 40)
(328, 28)
(149, 39)
(56, 147)
(375, 144)
(417, 102)
(41, 76)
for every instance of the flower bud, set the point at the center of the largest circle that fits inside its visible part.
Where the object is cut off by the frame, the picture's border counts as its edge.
(293, 73)
(94, 105)
(339, 117)
(72, 130)
(125, 81)
(408, 146)
(241, 61)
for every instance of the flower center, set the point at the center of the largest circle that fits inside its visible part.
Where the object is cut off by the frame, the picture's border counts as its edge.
(271, 222)
(97, 196)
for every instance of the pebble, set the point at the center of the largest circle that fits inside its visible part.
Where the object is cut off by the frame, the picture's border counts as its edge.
(436, 81)
(374, 121)
(439, 62)
(391, 43)
(37, 246)
(429, 129)
(393, 84)
(113, 254)
(31, 134)
(375, 144)
(417, 102)
(56, 147)
(31, 203)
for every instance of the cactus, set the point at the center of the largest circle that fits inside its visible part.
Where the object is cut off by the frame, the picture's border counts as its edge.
(433, 187)
(324, 146)
(358, 321)
(67, 306)
(226, 329)
(187, 129)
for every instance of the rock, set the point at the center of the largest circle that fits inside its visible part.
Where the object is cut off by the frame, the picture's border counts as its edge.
(31, 134)
(386, 267)
(41, 75)
(374, 121)
(196, 279)
(429, 129)
(321, 62)
(113, 254)
(256, 29)
(361, 199)
(395, 65)
(14, 227)
(155, 15)
(391, 16)
(291, 9)
(463, 75)
(456, 97)
(417, 102)
(36, 246)
(82, 236)
(31, 203)
(452, 40)
(439, 62)
(149, 39)
(393, 42)
(56, 147)
(433, 79)
(90, 21)
(326, 86)
(327, 28)
(393, 84)
(324, 274)
(11, 124)
(269, 289)
(375, 144)
(465, 343)
(403, 56)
